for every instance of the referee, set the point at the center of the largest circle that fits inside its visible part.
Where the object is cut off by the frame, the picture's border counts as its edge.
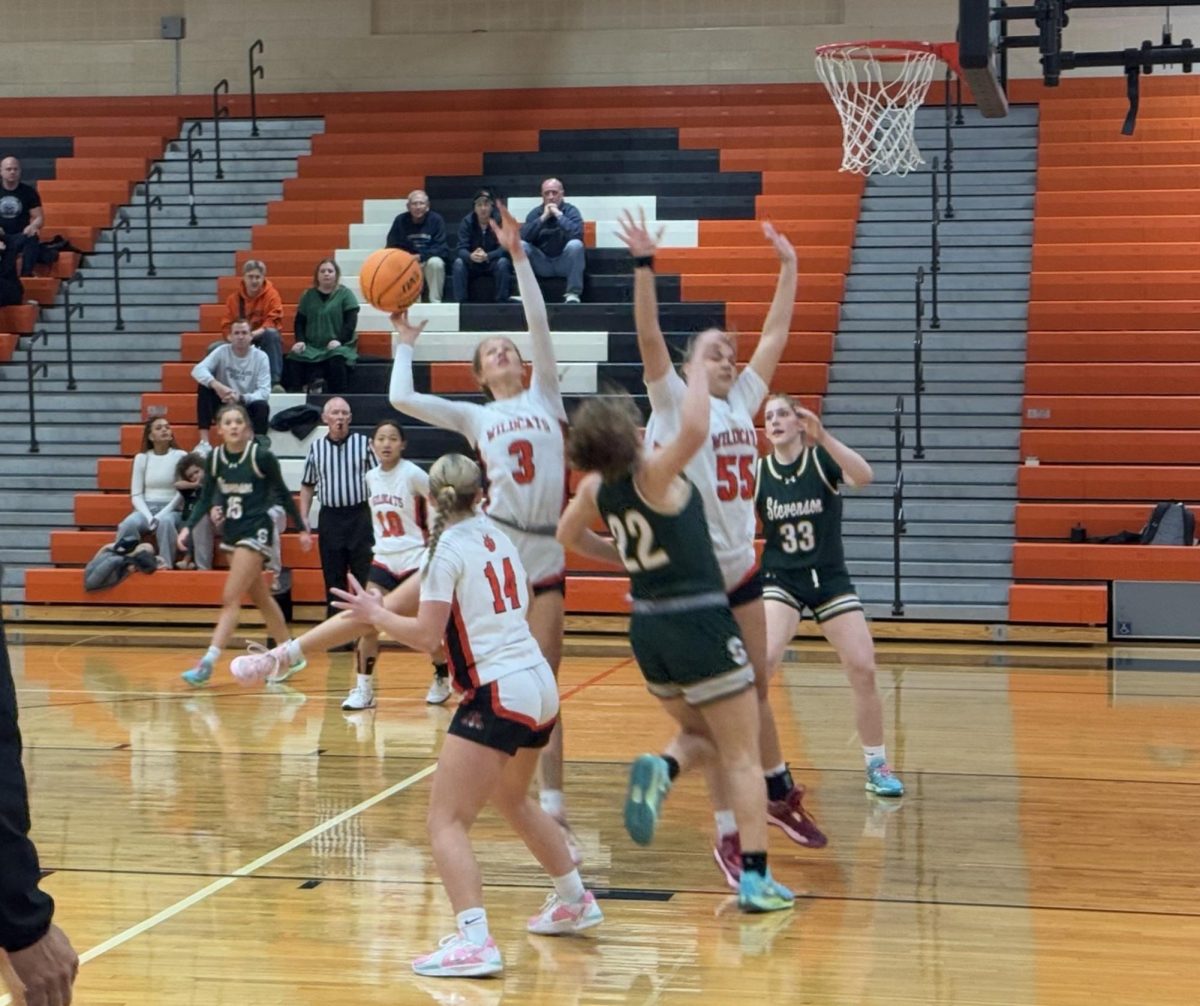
(334, 471)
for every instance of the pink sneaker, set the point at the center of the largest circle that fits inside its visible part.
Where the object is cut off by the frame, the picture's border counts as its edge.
(728, 854)
(259, 665)
(458, 957)
(796, 822)
(558, 917)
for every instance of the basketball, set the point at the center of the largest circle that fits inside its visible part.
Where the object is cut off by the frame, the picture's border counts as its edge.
(391, 279)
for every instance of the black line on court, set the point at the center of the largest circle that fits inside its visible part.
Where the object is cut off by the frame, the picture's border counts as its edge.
(632, 894)
(308, 885)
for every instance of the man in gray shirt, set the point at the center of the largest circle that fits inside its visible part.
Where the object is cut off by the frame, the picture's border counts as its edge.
(237, 372)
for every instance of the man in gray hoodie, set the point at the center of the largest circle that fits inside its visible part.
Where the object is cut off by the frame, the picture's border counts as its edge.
(237, 372)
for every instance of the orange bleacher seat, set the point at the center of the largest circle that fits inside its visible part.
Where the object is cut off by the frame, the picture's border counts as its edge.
(1108, 482)
(761, 259)
(101, 168)
(1154, 447)
(1114, 257)
(818, 287)
(1082, 412)
(509, 141)
(76, 548)
(781, 158)
(1055, 520)
(1135, 226)
(289, 237)
(43, 289)
(1112, 378)
(1114, 315)
(401, 164)
(804, 207)
(310, 212)
(798, 182)
(1136, 285)
(806, 317)
(166, 587)
(1050, 561)
(8, 346)
(1112, 347)
(1058, 604)
(832, 231)
(20, 319)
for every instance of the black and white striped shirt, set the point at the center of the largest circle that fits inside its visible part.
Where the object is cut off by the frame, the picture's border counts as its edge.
(337, 468)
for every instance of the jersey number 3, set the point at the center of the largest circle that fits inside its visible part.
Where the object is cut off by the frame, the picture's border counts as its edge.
(637, 527)
(735, 477)
(509, 589)
(522, 450)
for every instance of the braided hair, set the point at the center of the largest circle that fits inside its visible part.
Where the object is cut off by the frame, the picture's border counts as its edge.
(454, 483)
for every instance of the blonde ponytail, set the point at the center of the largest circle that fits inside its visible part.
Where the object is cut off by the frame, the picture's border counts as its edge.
(454, 483)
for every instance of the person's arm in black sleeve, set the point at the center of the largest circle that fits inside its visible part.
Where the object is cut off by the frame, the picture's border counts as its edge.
(396, 235)
(532, 226)
(464, 239)
(437, 247)
(299, 326)
(349, 327)
(25, 910)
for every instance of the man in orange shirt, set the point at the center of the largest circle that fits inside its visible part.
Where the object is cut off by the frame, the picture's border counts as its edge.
(258, 301)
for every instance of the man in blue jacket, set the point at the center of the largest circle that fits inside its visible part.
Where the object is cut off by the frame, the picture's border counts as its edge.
(41, 965)
(553, 239)
(479, 253)
(421, 232)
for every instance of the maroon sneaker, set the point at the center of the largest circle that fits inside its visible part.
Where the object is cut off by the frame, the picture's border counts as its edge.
(728, 854)
(797, 823)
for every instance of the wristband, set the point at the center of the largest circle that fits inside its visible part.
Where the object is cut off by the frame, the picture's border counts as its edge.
(643, 261)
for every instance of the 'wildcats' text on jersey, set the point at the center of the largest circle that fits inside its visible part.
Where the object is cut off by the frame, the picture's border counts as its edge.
(397, 500)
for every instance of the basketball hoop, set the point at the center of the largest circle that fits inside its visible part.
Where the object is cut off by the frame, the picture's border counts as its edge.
(877, 88)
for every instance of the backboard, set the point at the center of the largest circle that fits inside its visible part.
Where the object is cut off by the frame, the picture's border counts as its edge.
(980, 55)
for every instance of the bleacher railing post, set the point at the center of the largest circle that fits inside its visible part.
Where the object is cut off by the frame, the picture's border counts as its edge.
(899, 526)
(949, 154)
(219, 110)
(32, 370)
(192, 157)
(154, 202)
(71, 310)
(256, 72)
(119, 253)
(918, 364)
(935, 249)
(958, 116)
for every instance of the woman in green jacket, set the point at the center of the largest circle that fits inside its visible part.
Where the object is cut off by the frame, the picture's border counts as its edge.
(326, 318)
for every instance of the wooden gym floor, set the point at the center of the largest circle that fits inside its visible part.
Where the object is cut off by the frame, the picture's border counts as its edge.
(236, 847)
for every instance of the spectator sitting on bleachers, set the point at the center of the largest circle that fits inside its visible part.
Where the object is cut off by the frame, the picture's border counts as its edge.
(479, 253)
(189, 479)
(326, 330)
(21, 216)
(236, 372)
(553, 239)
(421, 232)
(258, 301)
(152, 491)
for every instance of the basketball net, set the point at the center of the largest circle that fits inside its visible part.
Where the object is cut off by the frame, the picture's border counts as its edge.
(877, 88)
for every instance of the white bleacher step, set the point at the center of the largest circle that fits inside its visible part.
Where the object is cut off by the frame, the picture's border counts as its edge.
(453, 344)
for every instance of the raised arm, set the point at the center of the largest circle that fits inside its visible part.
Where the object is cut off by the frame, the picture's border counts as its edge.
(425, 632)
(656, 359)
(545, 366)
(778, 323)
(660, 469)
(575, 526)
(432, 409)
(856, 470)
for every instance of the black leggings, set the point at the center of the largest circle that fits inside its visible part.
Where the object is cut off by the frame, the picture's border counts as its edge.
(208, 404)
(298, 373)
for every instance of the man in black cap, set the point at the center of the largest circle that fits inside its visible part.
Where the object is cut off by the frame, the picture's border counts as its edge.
(479, 253)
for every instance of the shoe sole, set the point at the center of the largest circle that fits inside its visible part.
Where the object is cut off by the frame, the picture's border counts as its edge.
(880, 791)
(196, 682)
(437, 702)
(474, 971)
(761, 908)
(356, 709)
(572, 927)
(291, 672)
(641, 817)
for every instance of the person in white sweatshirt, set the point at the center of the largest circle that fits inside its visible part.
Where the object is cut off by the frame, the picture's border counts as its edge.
(152, 491)
(237, 373)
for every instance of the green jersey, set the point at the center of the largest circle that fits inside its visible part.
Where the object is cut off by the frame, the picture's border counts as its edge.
(246, 485)
(801, 511)
(667, 555)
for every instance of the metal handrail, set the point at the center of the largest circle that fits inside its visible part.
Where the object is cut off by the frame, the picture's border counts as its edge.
(918, 362)
(154, 202)
(935, 245)
(899, 526)
(32, 371)
(119, 253)
(219, 111)
(70, 310)
(949, 165)
(193, 155)
(256, 72)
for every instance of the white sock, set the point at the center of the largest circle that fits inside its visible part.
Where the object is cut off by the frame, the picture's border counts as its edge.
(473, 925)
(293, 651)
(552, 802)
(569, 887)
(777, 770)
(211, 655)
(364, 682)
(871, 752)
(726, 823)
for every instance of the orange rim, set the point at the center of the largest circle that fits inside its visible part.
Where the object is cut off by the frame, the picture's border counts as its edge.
(891, 50)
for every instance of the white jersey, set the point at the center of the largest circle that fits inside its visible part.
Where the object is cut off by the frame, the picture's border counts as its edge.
(475, 567)
(397, 501)
(519, 439)
(723, 469)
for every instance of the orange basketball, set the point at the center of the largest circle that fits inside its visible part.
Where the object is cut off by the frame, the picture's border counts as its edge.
(391, 279)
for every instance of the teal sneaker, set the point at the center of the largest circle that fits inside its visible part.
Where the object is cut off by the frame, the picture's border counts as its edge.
(649, 783)
(880, 780)
(198, 675)
(758, 892)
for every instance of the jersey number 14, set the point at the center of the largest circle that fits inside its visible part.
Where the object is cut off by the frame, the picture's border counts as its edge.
(508, 590)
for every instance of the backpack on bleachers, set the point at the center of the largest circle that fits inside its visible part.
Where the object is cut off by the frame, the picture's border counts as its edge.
(1171, 523)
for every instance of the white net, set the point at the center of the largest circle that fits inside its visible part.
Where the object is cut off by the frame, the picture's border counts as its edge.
(877, 100)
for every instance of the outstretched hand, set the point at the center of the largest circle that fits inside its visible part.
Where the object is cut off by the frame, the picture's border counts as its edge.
(363, 605)
(508, 233)
(405, 329)
(783, 247)
(636, 234)
(811, 423)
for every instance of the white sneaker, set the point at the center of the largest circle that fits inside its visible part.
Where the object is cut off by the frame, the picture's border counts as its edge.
(360, 697)
(570, 298)
(203, 448)
(559, 917)
(439, 691)
(261, 664)
(458, 957)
